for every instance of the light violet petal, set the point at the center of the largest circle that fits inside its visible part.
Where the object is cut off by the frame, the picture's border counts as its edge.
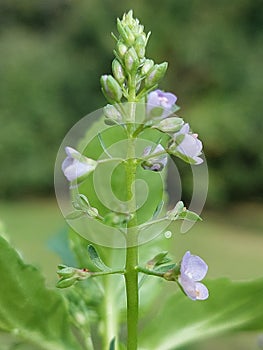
(199, 146)
(196, 268)
(76, 165)
(202, 292)
(161, 99)
(147, 151)
(76, 170)
(184, 262)
(66, 163)
(71, 152)
(188, 286)
(185, 129)
(158, 148)
(198, 160)
(152, 100)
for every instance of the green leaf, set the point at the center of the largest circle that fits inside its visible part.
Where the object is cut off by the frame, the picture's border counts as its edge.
(231, 307)
(112, 344)
(96, 260)
(27, 308)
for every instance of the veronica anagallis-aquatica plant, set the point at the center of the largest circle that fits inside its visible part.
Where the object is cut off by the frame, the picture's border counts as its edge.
(153, 133)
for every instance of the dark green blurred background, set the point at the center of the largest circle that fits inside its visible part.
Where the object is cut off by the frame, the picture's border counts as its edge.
(54, 51)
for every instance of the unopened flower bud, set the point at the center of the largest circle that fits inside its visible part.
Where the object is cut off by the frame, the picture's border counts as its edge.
(176, 211)
(65, 283)
(118, 71)
(130, 35)
(148, 64)
(111, 88)
(140, 46)
(112, 115)
(121, 49)
(69, 275)
(92, 212)
(155, 74)
(172, 124)
(116, 219)
(125, 33)
(65, 271)
(131, 60)
(138, 29)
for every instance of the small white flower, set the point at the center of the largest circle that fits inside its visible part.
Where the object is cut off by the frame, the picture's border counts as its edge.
(187, 146)
(76, 165)
(193, 270)
(157, 161)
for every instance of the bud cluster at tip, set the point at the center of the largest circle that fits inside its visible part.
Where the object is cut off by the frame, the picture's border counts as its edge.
(70, 275)
(132, 73)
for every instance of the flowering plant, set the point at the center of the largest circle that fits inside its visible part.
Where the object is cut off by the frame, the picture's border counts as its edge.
(112, 192)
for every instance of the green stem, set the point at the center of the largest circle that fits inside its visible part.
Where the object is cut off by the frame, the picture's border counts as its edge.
(104, 273)
(157, 221)
(131, 275)
(110, 330)
(149, 272)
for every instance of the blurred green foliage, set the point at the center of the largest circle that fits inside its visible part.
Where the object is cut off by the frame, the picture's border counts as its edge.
(54, 51)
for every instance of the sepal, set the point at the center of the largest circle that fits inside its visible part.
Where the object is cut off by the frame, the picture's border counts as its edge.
(157, 260)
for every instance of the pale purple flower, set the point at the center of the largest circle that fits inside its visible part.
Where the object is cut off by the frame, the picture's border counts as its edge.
(160, 104)
(187, 145)
(76, 165)
(193, 270)
(156, 162)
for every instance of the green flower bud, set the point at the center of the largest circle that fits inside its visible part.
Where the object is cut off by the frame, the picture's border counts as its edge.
(111, 88)
(117, 219)
(65, 271)
(130, 35)
(131, 60)
(118, 71)
(92, 212)
(121, 49)
(112, 115)
(138, 29)
(65, 283)
(176, 211)
(139, 46)
(148, 64)
(172, 124)
(125, 32)
(111, 112)
(155, 74)
(122, 32)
